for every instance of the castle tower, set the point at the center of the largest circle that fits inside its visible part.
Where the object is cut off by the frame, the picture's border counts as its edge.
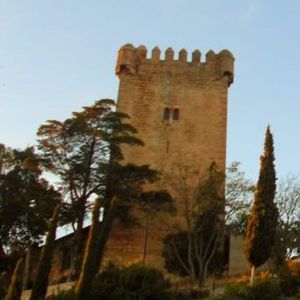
(179, 108)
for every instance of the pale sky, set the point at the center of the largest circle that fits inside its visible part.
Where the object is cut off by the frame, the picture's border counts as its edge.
(59, 55)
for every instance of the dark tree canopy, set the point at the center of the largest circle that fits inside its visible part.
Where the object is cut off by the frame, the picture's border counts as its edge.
(263, 219)
(78, 151)
(26, 199)
(84, 151)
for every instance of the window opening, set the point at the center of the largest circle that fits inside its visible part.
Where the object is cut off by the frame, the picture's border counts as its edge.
(176, 114)
(167, 113)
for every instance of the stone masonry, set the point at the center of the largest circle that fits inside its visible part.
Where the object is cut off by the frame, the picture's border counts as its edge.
(179, 108)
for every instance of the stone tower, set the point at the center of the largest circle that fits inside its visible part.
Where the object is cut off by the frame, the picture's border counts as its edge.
(179, 108)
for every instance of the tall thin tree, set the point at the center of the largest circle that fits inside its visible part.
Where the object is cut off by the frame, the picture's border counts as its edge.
(89, 268)
(40, 285)
(263, 219)
(15, 287)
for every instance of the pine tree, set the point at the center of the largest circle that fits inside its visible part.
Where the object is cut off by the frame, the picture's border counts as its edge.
(15, 287)
(89, 266)
(40, 285)
(262, 222)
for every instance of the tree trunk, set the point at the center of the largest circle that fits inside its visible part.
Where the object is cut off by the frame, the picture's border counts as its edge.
(77, 248)
(105, 230)
(146, 236)
(252, 275)
(26, 269)
(89, 268)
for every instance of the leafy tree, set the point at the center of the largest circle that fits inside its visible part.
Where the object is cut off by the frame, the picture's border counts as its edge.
(84, 152)
(40, 284)
(15, 287)
(288, 202)
(238, 193)
(202, 207)
(261, 230)
(125, 187)
(26, 199)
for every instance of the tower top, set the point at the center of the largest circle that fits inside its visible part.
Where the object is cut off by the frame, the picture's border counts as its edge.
(131, 58)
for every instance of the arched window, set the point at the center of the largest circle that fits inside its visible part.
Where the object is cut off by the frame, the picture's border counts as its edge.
(167, 113)
(176, 114)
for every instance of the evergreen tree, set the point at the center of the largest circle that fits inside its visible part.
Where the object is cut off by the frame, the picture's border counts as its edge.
(26, 200)
(40, 285)
(79, 151)
(3, 284)
(262, 221)
(15, 287)
(89, 268)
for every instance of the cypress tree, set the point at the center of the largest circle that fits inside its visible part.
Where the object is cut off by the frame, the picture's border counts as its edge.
(3, 285)
(15, 287)
(89, 266)
(262, 222)
(40, 284)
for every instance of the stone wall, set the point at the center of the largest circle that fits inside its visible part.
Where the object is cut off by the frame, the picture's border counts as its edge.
(179, 108)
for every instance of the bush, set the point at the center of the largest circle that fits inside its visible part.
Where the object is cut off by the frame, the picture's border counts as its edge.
(289, 284)
(188, 295)
(135, 282)
(261, 290)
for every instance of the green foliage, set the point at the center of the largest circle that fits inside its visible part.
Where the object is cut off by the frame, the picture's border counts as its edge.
(15, 286)
(84, 151)
(261, 290)
(262, 223)
(133, 282)
(194, 294)
(289, 284)
(271, 289)
(26, 199)
(130, 283)
(40, 284)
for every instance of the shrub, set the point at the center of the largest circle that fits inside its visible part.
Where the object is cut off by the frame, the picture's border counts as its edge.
(128, 283)
(196, 294)
(133, 282)
(289, 284)
(262, 290)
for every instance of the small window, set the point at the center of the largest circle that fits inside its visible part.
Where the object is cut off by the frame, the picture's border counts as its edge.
(167, 113)
(176, 114)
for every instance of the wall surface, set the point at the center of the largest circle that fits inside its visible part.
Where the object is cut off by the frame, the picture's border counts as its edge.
(152, 91)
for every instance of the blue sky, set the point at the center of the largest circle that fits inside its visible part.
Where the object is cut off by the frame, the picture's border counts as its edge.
(57, 56)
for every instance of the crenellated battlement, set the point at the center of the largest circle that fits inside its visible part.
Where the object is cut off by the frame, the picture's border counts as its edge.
(131, 58)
